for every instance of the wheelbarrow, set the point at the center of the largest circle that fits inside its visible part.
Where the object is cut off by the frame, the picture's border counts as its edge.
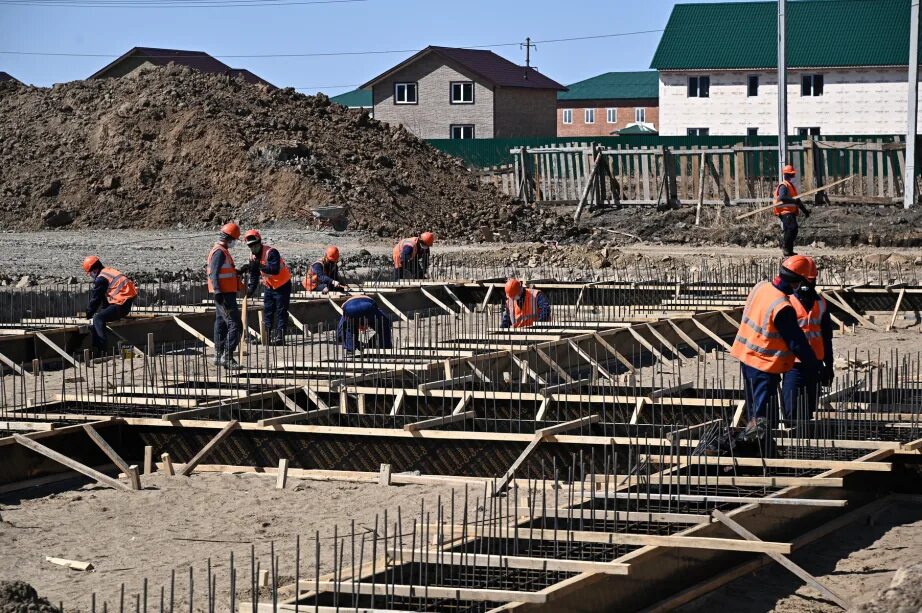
(335, 217)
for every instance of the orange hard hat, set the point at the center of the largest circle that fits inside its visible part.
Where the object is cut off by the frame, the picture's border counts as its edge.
(802, 266)
(513, 288)
(428, 238)
(252, 236)
(89, 262)
(332, 253)
(788, 170)
(231, 229)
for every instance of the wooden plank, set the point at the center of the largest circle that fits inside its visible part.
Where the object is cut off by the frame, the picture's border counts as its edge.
(167, 465)
(282, 478)
(437, 302)
(800, 464)
(220, 436)
(896, 309)
(115, 457)
(454, 297)
(501, 561)
(148, 459)
(16, 368)
(195, 333)
(834, 297)
(69, 463)
(56, 349)
(424, 591)
(439, 421)
(710, 333)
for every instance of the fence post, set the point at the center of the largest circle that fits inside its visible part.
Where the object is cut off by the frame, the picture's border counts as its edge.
(669, 168)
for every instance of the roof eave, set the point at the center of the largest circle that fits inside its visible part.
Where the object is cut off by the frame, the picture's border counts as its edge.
(113, 63)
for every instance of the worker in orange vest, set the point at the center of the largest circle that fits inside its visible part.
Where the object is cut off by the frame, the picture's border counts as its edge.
(768, 342)
(110, 299)
(411, 257)
(266, 264)
(323, 275)
(787, 206)
(800, 388)
(524, 306)
(224, 282)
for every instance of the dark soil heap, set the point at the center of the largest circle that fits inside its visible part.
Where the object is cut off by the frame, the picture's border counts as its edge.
(20, 597)
(173, 146)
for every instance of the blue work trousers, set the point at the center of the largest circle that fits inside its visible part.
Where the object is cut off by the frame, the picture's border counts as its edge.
(227, 324)
(275, 311)
(359, 313)
(105, 315)
(761, 393)
(800, 390)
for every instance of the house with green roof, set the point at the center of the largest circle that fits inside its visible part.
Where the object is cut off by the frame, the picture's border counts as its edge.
(356, 99)
(847, 68)
(609, 103)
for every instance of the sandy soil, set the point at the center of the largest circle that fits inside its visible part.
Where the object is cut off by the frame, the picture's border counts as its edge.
(855, 562)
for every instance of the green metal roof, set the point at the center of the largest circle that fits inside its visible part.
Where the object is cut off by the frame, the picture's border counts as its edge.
(615, 86)
(820, 33)
(357, 97)
(636, 128)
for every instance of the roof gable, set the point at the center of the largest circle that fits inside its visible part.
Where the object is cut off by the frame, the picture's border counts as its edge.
(820, 34)
(615, 86)
(197, 60)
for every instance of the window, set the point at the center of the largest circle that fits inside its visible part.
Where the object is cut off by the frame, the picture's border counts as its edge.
(811, 85)
(698, 131)
(462, 92)
(752, 131)
(611, 115)
(699, 87)
(589, 116)
(808, 131)
(405, 93)
(752, 86)
(640, 115)
(462, 131)
(568, 116)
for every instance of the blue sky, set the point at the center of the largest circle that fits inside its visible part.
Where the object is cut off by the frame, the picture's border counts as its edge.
(344, 27)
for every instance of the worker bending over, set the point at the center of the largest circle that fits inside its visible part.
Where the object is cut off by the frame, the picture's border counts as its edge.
(224, 283)
(411, 257)
(800, 387)
(110, 299)
(524, 306)
(359, 314)
(323, 275)
(787, 207)
(767, 343)
(268, 265)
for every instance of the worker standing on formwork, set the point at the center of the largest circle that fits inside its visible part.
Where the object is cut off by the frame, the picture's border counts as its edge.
(267, 264)
(524, 306)
(224, 283)
(800, 388)
(787, 206)
(411, 257)
(767, 343)
(323, 275)
(359, 314)
(110, 299)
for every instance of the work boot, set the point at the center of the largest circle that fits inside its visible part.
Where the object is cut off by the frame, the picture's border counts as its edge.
(217, 359)
(230, 363)
(277, 339)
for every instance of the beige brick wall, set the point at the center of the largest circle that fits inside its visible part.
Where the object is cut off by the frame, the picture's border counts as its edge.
(524, 112)
(433, 115)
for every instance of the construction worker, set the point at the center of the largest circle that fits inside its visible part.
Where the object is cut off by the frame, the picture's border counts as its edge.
(787, 206)
(268, 265)
(411, 257)
(224, 283)
(323, 275)
(110, 299)
(800, 386)
(768, 342)
(524, 306)
(360, 313)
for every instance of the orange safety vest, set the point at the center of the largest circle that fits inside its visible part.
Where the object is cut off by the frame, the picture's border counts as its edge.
(272, 281)
(758, 343)
(812, 324)
(228, 280)
(527, 314)
(311, 280)
(121, 289)
(412, 242)
(781, 208)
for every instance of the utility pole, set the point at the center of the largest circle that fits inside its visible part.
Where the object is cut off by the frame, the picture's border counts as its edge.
(782, 89)
(527, 45)
(909, 181)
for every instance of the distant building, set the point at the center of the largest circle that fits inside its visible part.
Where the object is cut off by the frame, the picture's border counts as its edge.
(5, 76)
(356, 99)
(140, 58)
(847, 68)
(443, 92)
(608, 103)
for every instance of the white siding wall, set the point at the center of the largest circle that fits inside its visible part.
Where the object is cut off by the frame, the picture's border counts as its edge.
(853, 102)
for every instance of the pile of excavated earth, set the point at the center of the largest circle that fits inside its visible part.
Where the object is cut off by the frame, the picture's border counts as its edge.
(175, 147)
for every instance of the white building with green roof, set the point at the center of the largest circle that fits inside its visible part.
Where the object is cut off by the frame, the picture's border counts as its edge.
(847, 68)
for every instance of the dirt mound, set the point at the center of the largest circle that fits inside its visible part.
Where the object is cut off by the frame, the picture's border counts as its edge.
(175, 147)
(903, 595)
(20, 597)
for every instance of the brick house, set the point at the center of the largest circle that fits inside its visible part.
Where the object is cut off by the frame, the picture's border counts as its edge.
(609, 103)
(847, 68)
(139, 58)
(443, 92)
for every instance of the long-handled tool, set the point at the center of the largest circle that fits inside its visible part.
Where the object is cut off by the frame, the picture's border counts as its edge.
(243, 328)
(807, 193)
